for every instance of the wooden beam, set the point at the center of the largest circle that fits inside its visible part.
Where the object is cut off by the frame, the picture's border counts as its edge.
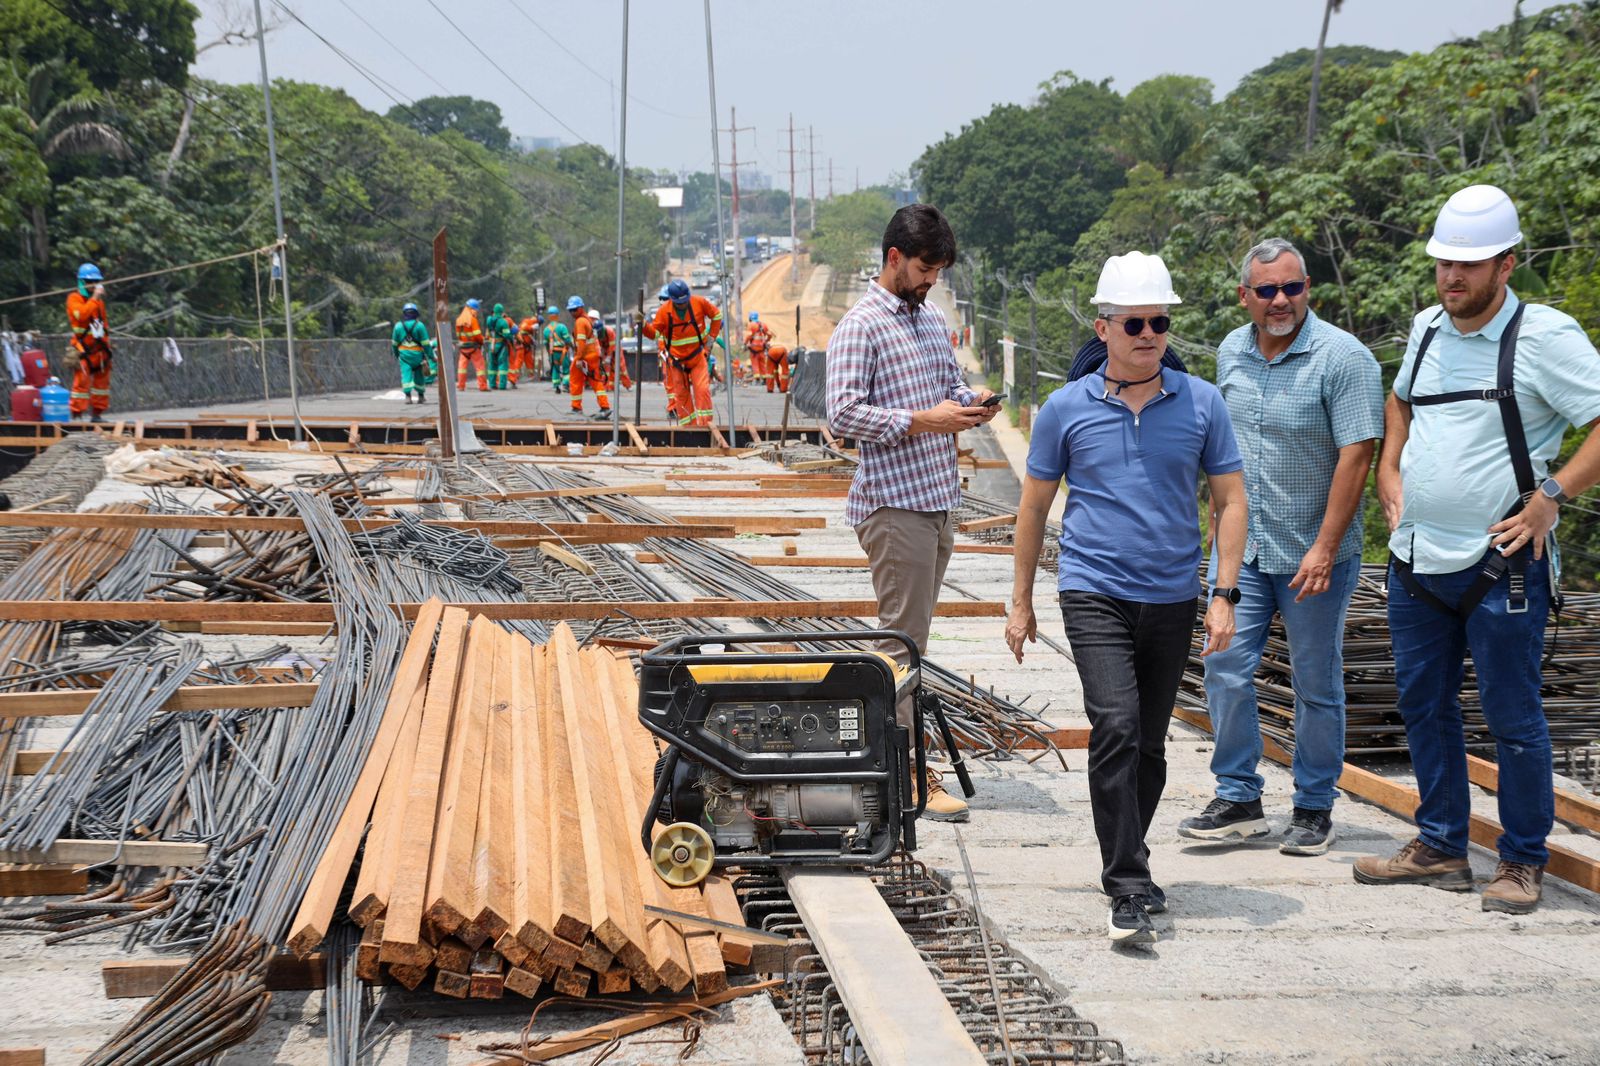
(96, 852)
(978, 525)
(142, 978)
(647, 488)
(1570, 808)
(22, 1056)
(187, 698)
(569, 559)
(902, 1017)
(851, 562)
(34, 879)
(985, 549)
(753, 523)
(547, 610)
(1392, 796)
(620, 531)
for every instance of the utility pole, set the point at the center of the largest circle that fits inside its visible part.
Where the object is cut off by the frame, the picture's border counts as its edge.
(283, 234)
(736, 297)
(716, 185)
(794, 238)
(811, 165)
(622, 182)
(830, 178)
(858, 178)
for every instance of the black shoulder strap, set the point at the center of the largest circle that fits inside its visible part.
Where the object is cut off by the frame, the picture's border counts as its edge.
(1516, 438)
(1422, 350)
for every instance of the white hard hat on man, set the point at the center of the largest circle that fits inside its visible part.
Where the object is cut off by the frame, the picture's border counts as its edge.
(1135, 280)
(1477, 223)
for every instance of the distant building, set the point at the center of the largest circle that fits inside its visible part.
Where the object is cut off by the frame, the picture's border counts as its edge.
(528, 145)
(753, 180)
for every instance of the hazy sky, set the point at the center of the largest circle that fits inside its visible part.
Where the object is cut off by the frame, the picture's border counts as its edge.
(878, 82)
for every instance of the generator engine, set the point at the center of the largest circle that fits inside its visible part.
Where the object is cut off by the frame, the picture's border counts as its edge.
(780, 757)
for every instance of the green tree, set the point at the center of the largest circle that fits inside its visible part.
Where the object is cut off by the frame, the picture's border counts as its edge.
(1163, 120)
(112, 42)
(476, 120)
(849, 231)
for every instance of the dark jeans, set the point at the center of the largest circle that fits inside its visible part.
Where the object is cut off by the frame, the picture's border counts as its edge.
(1130, 658)
(1429, 651)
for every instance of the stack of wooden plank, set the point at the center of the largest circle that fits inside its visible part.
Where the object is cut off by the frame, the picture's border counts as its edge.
(170, 468)
(504, 794)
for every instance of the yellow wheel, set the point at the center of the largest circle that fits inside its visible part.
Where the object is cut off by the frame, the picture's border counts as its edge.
(681, 854)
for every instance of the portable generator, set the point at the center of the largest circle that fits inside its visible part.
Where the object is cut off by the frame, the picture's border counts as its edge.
(783, 757)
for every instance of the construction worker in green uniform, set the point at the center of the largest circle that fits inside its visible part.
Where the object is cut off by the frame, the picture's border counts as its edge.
(413, 348)
(499, 330)
(558, 342)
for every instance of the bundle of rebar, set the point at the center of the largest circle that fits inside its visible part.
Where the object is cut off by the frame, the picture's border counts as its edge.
(1570, 691)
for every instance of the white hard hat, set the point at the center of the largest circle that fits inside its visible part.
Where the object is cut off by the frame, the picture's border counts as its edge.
(1476, 223)
(1135, 280)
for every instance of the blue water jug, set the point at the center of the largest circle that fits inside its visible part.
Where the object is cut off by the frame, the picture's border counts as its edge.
(53, 402)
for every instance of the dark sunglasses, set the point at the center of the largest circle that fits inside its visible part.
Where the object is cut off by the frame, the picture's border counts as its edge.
(1270, 292)
(1135, 326)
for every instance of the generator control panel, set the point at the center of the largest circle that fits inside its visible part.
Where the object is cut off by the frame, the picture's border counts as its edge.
(788, 726)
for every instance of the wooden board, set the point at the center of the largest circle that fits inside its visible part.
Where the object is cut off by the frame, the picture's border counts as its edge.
(450, 895)
(95, 852)
(402, 924)
(371, 893)
(22, 1056)
(187, 698)
(755, 523)
(31, 879)
(978, 525)
(902, 1016)
(569, 878)
(140, 978)
(1574, 809)
(533, 923)
(548, 610)
(623, 531)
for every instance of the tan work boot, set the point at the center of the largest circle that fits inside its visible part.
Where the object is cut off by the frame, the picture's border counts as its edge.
(943, 807)
(1415, 864)
(1514, 889)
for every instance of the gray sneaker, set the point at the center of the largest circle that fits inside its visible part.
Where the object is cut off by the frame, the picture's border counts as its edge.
(1310, 832)
(1225, 819)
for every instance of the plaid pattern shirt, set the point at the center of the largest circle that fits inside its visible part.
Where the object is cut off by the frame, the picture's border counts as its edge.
(885, 361)
(1291, 417)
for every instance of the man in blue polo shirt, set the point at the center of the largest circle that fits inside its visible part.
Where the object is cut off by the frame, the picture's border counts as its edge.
(1131, 442)
(1472, 509)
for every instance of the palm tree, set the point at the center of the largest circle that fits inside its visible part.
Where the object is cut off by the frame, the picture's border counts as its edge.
(63, 126)
(1328, 11)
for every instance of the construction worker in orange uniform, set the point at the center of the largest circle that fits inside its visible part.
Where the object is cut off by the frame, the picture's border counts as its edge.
(778, 368)
(522, 345)
(757, 339)
(86, 313)
(469, 338)
(608, 340)
(586, 361)
(689, 325)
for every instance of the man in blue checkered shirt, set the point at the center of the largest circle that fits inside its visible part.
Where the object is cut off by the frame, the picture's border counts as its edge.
(1306, 400)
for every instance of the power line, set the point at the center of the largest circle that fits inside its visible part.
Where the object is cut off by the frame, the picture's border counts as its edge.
(420, 69)
(514, 83)
(559, 43)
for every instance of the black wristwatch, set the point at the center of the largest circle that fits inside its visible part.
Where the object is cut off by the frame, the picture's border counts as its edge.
(1232, 595)
(1552, 488)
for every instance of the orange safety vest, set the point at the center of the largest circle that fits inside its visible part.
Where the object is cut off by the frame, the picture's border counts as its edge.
(469, 334)
(758, 337)
(83, 313)
(689, 335)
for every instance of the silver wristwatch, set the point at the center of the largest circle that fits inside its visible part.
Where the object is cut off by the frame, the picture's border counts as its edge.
(1552, 488)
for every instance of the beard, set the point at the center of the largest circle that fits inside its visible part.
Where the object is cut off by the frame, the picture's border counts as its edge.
(1469, 304)
(912, 295)
(1282, 327)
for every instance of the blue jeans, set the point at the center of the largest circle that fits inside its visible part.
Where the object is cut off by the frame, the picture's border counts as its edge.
(1429, 651)
(1316, 656)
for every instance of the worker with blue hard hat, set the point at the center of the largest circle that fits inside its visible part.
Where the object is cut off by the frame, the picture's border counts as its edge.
(91, 339)
(758, 342)
(686, 327)
(413, 349)
(469, 340)
(558, 344)
(585, 369)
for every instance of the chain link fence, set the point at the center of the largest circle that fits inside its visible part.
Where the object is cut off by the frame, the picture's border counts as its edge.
(226, 369)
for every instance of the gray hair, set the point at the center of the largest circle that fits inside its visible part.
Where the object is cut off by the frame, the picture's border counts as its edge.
(1268, 251)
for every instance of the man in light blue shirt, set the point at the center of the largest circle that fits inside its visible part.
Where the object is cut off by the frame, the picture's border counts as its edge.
(1469, 568)
(1131, 442)
(1306, 401)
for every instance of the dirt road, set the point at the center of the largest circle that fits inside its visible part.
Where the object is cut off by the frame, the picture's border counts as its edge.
(770, 293)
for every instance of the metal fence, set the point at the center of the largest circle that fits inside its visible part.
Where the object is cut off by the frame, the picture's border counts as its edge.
(227, 369)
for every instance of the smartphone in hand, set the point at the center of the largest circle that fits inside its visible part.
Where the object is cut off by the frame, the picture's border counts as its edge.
(992, 401)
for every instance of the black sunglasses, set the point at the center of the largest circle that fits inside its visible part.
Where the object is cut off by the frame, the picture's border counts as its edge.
(1270, 292)
(1135, 326)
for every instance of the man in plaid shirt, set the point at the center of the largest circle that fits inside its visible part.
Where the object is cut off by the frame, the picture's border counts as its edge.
(895, 388)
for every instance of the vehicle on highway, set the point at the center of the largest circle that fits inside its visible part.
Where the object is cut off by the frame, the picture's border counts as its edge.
(707, 259)
(701, 278)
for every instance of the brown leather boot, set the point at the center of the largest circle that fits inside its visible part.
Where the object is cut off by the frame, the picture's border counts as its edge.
(1415, 864)
(1514, 889)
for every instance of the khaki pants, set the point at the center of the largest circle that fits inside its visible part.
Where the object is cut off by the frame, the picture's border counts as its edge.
(908, 552)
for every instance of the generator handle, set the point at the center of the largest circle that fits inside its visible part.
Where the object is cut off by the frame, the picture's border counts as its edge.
(695, 641)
